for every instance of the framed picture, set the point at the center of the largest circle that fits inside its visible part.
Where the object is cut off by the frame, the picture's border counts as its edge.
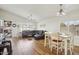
(7, 23)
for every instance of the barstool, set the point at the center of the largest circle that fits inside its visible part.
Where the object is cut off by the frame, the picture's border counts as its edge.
(68, 43)
(6, 44)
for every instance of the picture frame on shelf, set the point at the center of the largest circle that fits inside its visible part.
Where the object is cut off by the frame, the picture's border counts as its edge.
(7, 23)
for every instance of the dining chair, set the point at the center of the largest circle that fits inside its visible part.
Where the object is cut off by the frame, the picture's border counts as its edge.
(47, 39)
(56, 42)
(68, 43)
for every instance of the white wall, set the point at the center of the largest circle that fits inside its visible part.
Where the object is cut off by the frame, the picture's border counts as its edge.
(50, 25)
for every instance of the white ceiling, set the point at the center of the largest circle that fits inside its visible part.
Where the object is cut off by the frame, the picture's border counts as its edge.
(39, 11)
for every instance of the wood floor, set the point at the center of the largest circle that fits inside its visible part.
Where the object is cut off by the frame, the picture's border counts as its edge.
(30, 46)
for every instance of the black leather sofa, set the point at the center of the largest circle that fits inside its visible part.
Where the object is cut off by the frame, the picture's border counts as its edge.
(37, 34)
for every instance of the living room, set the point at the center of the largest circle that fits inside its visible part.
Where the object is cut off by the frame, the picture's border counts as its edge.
(28, 23)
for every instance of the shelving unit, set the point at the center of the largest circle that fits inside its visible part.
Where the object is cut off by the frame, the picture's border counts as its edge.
(5, 27)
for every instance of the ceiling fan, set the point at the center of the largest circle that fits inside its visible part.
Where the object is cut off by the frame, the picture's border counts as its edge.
(61, 11)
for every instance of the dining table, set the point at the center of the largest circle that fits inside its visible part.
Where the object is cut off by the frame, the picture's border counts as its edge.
(65, 38)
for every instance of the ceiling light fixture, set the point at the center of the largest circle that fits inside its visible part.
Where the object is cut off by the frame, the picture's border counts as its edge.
(61, 11)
